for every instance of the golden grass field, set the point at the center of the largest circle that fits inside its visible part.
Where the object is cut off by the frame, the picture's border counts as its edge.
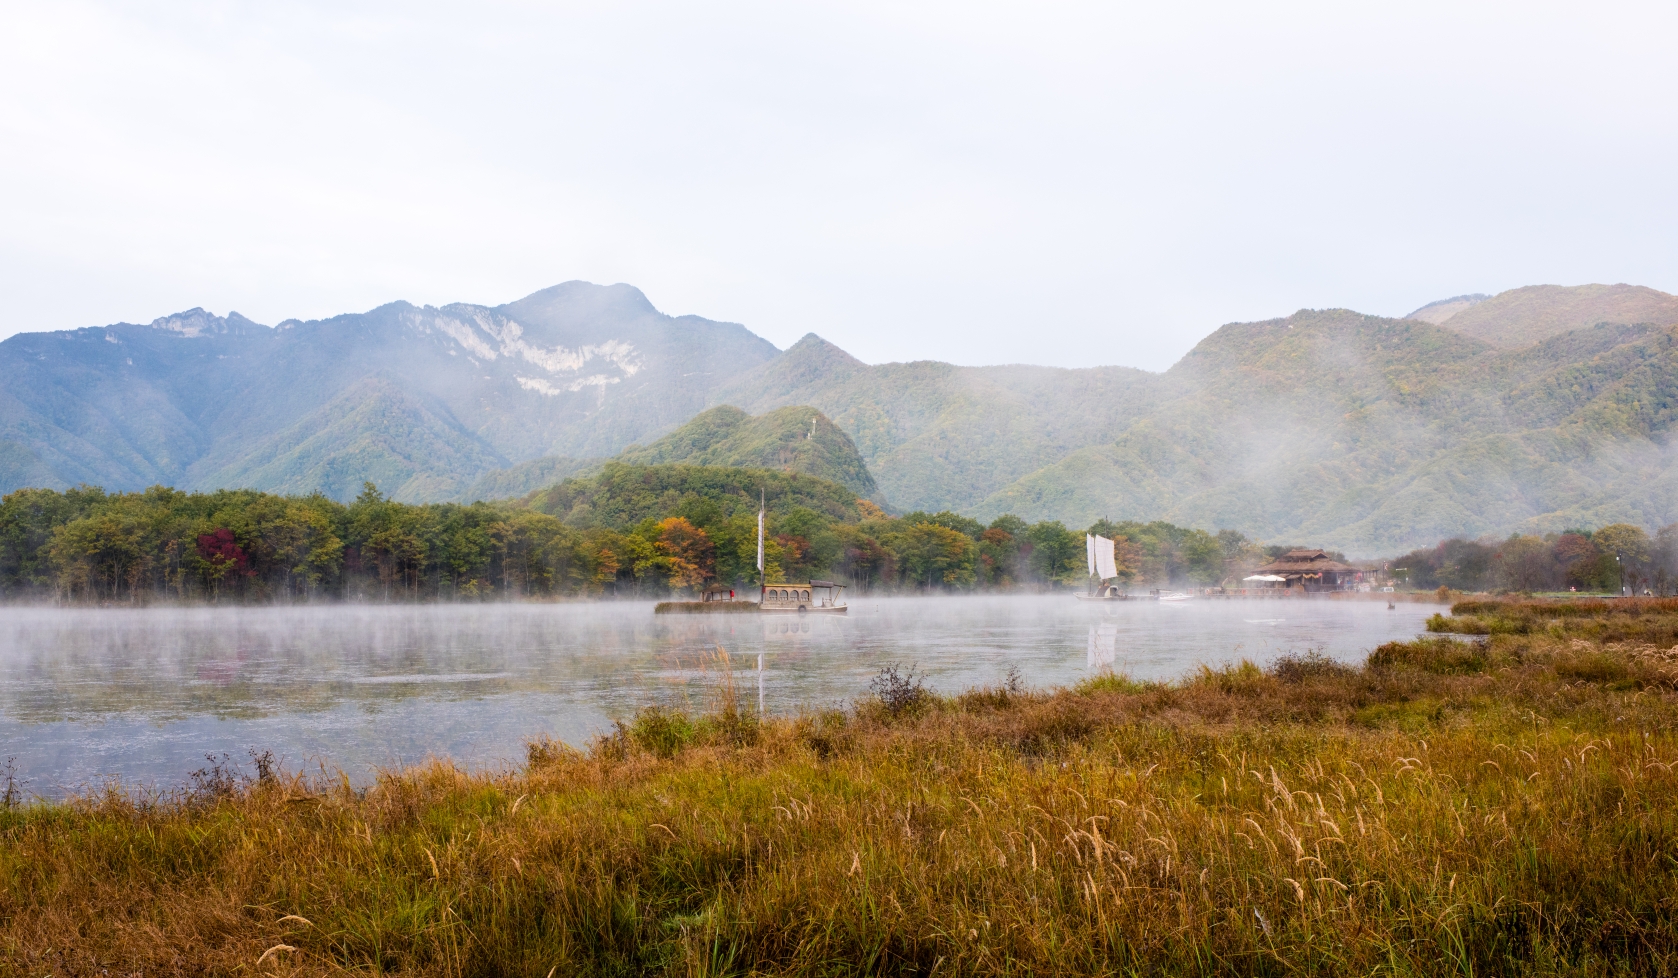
(1500, 806)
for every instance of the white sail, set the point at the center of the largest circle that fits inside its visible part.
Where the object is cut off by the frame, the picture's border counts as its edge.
(1089, 552)
(760, 543)
(1105, 566)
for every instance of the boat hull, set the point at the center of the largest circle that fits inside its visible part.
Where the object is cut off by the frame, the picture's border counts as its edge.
(805, 611)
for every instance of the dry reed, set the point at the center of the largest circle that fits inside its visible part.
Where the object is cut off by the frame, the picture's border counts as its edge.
(1491, 808)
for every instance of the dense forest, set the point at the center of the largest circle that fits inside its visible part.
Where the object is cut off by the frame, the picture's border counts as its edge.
(649, 531)
(628, 531)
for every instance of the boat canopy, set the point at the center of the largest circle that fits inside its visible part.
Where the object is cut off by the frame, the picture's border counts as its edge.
(1275, 578)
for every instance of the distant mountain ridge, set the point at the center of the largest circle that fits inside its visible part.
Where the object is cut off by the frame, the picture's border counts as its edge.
(1536, 409)
(201, 401)
(1521, 317)
(1437, 312)
(1358, 432)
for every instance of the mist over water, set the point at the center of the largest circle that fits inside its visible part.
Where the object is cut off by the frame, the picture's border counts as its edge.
(142, 695)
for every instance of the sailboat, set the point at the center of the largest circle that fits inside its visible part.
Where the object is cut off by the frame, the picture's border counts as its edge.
(1098, 553)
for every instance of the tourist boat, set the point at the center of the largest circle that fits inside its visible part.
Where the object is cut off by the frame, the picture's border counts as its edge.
(814, 597)
(810, 597)
(819, 597)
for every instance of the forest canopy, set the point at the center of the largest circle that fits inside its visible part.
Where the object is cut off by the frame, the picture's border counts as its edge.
(629, 531)
(651, 530)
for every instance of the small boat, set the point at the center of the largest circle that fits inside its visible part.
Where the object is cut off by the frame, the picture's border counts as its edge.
(1098, 552)
(1175, 596)
(1107, 592)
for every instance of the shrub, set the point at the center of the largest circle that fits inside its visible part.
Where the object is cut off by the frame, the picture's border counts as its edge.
(12, 794)
(899, 693)
(1295, 669)
(660, 732)
(1440, 656)
(222, 779)
(1243, 677)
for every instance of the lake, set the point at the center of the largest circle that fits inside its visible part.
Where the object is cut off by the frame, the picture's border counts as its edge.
(142, 695)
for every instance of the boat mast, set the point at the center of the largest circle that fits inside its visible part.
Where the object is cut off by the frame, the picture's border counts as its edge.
(761, 504)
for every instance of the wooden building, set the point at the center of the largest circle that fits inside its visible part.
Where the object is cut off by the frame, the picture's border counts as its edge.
(1312, 570)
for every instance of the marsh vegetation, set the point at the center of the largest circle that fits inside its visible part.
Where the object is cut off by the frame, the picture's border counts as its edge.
(1503, 805)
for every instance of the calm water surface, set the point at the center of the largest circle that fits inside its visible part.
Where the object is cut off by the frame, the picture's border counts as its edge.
(142, 695)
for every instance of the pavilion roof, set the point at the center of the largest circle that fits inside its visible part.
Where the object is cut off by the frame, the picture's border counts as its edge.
(1305, 561)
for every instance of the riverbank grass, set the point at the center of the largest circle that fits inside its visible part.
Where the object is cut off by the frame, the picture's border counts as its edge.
(1500, 806)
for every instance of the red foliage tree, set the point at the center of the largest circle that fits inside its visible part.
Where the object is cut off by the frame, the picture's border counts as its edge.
(223, 555)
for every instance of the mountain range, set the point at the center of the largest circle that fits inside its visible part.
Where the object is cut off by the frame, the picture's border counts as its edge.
(421, 400)
(1537, 409)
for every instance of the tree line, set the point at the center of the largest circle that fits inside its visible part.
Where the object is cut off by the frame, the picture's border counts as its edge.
(650, 531)
(88, 545)
(1616, 556)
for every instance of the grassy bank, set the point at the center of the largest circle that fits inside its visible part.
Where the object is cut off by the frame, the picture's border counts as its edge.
(1507, 806)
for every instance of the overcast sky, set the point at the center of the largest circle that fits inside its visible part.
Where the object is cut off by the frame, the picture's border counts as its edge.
(982, 183)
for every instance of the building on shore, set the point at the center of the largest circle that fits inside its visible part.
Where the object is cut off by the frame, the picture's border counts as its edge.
(1311, 570)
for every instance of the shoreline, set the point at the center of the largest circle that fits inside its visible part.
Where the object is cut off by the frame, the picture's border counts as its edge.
(1412, 597)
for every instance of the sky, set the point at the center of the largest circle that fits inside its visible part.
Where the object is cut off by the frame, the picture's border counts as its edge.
(1057, 183)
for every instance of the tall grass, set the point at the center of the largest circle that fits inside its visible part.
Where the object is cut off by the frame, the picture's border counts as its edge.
(1497, 808)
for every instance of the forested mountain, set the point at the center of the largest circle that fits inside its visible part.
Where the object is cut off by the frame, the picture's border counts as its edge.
(422, 399)
(1539, 409)
(791, 439)
(1375, 435)
(1359, 432)
(795, 439)
(938, 436)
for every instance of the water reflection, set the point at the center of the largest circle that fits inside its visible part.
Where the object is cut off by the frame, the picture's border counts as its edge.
(144, 694)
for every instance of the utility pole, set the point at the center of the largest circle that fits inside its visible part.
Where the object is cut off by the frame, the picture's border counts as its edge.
(763, 499)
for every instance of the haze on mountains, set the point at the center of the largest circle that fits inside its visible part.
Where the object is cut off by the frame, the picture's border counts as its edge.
(1537, 409)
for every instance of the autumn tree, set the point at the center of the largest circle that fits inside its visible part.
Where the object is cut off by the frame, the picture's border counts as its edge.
(691, 556)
